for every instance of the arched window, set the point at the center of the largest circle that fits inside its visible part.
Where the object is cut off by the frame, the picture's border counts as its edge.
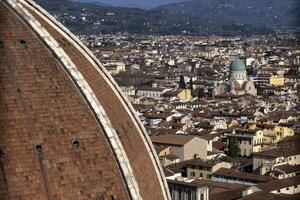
(38, 148)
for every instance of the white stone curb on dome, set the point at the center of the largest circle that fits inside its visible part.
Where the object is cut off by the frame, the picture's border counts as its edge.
(103, 72)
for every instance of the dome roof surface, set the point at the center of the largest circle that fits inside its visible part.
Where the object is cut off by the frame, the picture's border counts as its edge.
(67, 132)
(237, 65)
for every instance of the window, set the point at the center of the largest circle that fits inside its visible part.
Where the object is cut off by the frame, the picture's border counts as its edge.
(202, 196)
(1, 45)
(2, 152)
(23, 43)
(193, 174)
(38, 148)
(201, 175)
(287, 189)
(76, 144)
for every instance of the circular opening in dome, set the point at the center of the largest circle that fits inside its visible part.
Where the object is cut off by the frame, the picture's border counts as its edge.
(1, 45)
(23, 43)
(76, 144)
(2, 152)
(38, 148)
(100, 196)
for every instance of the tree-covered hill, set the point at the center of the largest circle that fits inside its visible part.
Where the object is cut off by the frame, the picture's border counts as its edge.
(83, 18)
(271, 13)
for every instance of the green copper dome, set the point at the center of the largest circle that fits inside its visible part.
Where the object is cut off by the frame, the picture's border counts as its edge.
(237, 65)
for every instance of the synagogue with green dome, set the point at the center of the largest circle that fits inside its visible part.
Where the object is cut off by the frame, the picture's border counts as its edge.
(238, 84)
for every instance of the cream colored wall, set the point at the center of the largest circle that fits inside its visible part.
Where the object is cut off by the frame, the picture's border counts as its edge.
(198, 173)
(178, 151)
(293, 160)
(220, 165)
(258, 139)
(195, 146)
(206, 172)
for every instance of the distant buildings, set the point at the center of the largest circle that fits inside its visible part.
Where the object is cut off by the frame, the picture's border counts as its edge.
(249, 141)
(193, 97)
(266, 161)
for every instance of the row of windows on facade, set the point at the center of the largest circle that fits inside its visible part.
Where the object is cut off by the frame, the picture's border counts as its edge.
(200, 175)
(257, 141)
(236, 179)
(287, 189)
(178, 194)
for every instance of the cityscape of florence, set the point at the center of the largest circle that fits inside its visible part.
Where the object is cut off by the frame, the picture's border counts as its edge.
(149, 99)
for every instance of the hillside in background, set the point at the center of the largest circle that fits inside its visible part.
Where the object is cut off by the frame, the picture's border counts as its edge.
(84, 18)
(145, 4)
(271, 13)
(96, 2)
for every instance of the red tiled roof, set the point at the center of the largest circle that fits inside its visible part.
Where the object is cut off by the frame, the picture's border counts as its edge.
(169, 139)
(236, 174)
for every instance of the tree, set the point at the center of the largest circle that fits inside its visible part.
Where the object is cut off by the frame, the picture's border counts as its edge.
(293, 71)
(233, 148)
(181, 82)
(191, 83)
(199, 93)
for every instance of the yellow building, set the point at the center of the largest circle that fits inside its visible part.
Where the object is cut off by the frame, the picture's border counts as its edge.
(249, 141)
(185, 94)
(163, 150)
(277, 80)
(282, 132)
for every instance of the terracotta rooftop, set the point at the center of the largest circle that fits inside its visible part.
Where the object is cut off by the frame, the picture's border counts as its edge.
(279, 152)
(231, 173)
(231, 194)
(268, 196)
(288, 168)
(279, 184)
(169, 139)
(215, 184)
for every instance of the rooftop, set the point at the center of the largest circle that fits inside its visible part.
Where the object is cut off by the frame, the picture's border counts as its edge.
(278, 152)
(237, 174)
(288, 168)
(279, 184)
(169, 139)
